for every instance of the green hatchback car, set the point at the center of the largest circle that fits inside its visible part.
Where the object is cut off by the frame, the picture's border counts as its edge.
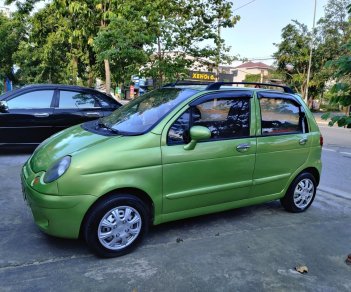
(176, 152)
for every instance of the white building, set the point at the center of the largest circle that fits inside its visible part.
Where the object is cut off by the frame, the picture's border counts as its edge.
(251, 68)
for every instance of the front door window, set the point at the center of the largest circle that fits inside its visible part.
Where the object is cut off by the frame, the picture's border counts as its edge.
(32, 100)
(226, 119)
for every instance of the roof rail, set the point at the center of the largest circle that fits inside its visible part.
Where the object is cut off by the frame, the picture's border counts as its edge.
(217, 85)
(187, 82)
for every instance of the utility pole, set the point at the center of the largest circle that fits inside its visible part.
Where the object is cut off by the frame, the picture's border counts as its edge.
(311, 47)
(218, 55)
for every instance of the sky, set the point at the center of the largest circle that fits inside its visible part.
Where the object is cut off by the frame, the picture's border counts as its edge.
(261, 24)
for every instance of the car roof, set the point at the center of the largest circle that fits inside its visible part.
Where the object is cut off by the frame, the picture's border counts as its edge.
(58, 86)
(206, 86)
(31, 87)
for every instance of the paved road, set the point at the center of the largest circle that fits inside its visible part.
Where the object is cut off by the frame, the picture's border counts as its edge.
(336, 158)
(248, 249)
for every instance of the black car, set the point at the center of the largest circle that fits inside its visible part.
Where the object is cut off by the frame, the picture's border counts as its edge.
(32, 113)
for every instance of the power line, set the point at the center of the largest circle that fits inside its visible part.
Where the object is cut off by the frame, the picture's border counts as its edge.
(244, 5)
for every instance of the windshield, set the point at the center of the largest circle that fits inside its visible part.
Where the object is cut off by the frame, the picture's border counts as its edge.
(143, 113)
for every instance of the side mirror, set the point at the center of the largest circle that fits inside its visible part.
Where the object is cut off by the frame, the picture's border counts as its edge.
(197, 133)
(3, 106)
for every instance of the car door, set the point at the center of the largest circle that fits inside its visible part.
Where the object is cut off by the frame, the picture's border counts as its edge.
(75, 107)
(283, 142)
(216, 171)
(28, 119)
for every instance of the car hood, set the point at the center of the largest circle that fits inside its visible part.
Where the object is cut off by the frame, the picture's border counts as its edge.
(61, 144)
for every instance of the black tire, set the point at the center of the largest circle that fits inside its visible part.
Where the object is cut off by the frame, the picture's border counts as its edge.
(298, 203)
(128, 205)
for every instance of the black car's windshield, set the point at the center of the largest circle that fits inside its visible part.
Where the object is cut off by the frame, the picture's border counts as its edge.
(141, 114)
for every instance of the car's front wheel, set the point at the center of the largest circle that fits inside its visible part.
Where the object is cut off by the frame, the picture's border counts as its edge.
(300, 194)
(116, 225)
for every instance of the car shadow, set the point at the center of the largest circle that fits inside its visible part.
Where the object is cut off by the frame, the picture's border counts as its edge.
(71, 247)
(243, 215)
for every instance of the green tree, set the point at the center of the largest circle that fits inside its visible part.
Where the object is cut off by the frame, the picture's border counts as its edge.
(180, 28)
(223, 18)
(252, 78)
(59, 41)
(81, 24)
(41, 55)
(293, 52)
(332, 32)
(123, 44)
(341, 90)
(11, 33)
(293, 55)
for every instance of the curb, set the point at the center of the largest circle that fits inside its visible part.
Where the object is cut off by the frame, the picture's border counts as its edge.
(335, 192)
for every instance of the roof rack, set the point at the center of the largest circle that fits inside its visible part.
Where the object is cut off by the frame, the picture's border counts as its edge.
(187, 82)
(217, 85)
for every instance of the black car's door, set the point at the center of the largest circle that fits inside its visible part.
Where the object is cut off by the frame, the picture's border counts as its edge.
(75, 107)
(28, 118)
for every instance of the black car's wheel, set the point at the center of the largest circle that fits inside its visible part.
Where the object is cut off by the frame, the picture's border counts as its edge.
(116, 225)
(300, 194)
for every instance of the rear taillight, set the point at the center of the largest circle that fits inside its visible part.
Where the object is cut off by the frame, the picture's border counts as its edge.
(321, 140)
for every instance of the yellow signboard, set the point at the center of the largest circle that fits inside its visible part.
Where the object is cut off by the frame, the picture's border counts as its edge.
(205, 76)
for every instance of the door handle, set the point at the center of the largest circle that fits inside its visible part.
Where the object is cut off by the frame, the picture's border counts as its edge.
(92, 114)
(41, 115)
(243, 147)
(303, 141)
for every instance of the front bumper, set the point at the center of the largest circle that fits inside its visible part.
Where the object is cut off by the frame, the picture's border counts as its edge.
(56, 215)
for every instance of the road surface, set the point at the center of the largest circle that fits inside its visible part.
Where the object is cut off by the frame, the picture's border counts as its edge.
(336, 159)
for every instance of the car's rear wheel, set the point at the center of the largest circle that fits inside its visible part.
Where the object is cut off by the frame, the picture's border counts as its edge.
(116, 225)
(300, 194)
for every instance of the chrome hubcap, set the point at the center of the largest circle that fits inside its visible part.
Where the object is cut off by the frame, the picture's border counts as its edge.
(119, 227)
(303, 193)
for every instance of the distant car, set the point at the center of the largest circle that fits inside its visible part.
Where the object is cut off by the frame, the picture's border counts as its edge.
(33, 113)
(173, 153)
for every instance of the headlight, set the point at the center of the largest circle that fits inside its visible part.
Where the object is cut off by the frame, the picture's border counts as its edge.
(57, 169)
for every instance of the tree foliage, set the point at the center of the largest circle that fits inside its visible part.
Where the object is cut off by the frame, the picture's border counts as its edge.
(41, 55)
(74, 41)
(123, 42)
(293, 57)
(328, 38)
(252, 78)
(341, 90)
(179, 28)
(11, 33)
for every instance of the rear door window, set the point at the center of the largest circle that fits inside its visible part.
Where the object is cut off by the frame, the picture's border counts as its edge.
(80, 100)
(280, 116)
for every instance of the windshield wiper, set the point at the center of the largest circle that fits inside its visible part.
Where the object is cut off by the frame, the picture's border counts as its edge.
(101, 124)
